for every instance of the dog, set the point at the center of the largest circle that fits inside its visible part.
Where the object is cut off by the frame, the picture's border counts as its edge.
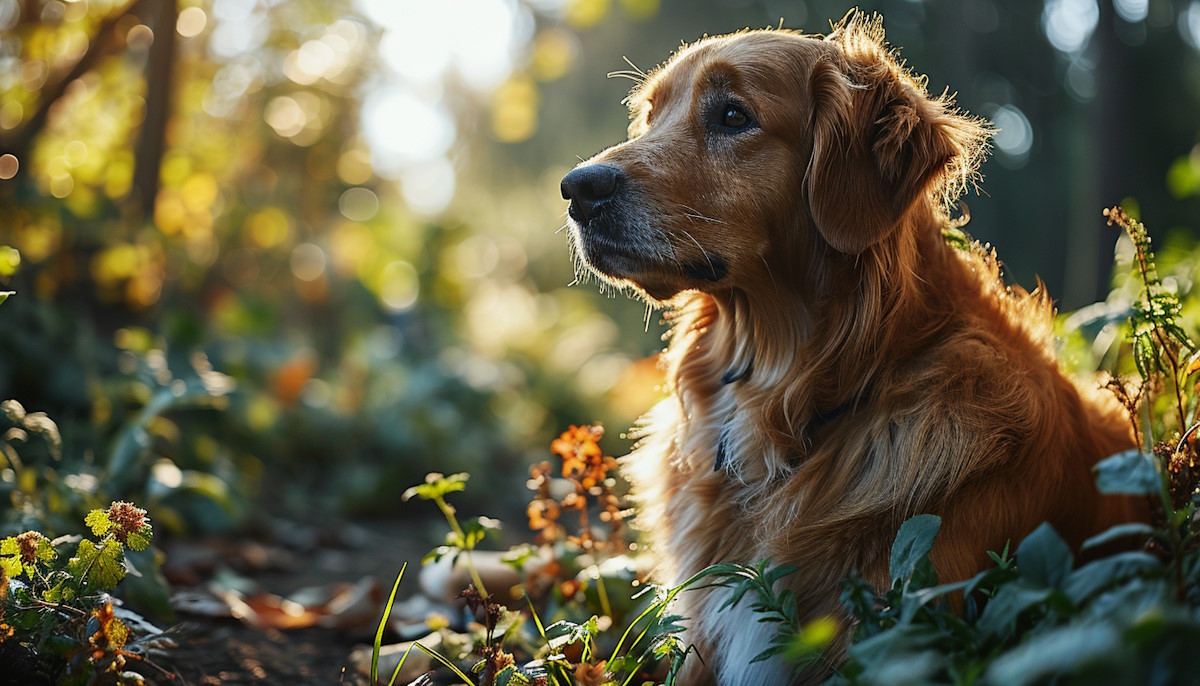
(835, 365)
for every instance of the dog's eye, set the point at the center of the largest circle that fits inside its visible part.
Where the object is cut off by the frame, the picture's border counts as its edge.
(733, 118)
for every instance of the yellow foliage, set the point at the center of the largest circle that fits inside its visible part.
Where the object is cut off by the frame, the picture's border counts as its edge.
(118, 174)
(553, 53)
(640, 9)
(349, 244)
(514, 109)
(199, 192)
(267, 228)
(586, 13)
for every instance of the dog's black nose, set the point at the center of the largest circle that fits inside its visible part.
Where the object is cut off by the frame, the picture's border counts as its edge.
(588, 187)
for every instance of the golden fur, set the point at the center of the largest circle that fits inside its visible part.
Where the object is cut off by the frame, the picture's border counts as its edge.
(852, 368)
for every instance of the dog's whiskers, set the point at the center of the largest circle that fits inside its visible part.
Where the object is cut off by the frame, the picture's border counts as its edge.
(702, 251)
(626, 74)
(693, 213)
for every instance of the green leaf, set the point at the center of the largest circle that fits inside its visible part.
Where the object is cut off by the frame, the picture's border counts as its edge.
(1043, 558)
(518, 555)
(913, 601)
(1093, 577)
(440, 552)
(1118, 532)
(140, 539)
(1058, 651)
(56, 593)
(901, 655)
(437, 486)
(913, 542)
(132, 444)
(1131, 472)
(10, 259)
(12, 566)
(510, 675)
(99, 568)
(98, 522)
(5, 294)
(1000, 616)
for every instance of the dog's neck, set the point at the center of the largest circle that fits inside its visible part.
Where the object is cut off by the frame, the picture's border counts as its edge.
(774, 365)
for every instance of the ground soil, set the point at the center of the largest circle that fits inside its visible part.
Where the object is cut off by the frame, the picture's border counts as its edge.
(224, 650)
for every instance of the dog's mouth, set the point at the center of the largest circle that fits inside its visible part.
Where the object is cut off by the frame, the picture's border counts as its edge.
(634, 254)
(605, 252)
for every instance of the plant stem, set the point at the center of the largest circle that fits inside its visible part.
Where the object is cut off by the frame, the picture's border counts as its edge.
(449, 514)
(604, 606)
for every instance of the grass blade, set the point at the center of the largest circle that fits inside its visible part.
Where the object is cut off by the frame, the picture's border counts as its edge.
(387, 611)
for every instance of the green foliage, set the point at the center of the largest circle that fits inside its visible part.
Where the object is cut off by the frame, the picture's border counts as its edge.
(459, 541)
(437, 486)
(58, 604)
(602, 653)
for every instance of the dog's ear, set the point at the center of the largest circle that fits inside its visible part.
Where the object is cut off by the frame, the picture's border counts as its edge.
(880, 142)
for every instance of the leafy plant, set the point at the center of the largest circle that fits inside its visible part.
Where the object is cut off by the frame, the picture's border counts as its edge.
(56, 609)
(460, 540)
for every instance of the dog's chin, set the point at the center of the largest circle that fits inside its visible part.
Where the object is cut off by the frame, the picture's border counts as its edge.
(614, 264)
(651, 277)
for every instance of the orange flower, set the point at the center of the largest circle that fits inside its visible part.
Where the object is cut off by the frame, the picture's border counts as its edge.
(570, 588)
(542, 513)
(583, 461)
(591, 675)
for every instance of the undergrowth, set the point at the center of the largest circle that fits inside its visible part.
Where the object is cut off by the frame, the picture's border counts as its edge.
(1131, 617)
(58, 623)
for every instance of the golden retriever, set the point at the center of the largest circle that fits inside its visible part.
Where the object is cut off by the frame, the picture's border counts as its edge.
(835, 366)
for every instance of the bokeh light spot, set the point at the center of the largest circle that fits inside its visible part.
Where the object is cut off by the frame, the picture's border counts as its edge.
(514, 110)
(428, 188)
(1132, 10)
(349, 246)
(1069, 24)
(139, 37)
(308, 262)
(354, 166)
(1015, 136)
(358, 204)
(403, 129)
(191, 22)
(553, 53)
(399, 286)
(75, 153)
(267, 228)
(11, 114)
(285, 115)
(640, 9)
(9, 165)
(586, 13)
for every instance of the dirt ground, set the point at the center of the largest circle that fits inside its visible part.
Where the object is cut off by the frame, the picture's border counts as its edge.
(213, 649)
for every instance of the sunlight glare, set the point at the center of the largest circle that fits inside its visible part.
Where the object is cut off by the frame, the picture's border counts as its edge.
(1069, 24)
(404, 129)
(428, 187)
(1189, 24)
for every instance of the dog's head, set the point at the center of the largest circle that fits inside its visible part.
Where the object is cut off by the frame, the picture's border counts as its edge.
(767, 147)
